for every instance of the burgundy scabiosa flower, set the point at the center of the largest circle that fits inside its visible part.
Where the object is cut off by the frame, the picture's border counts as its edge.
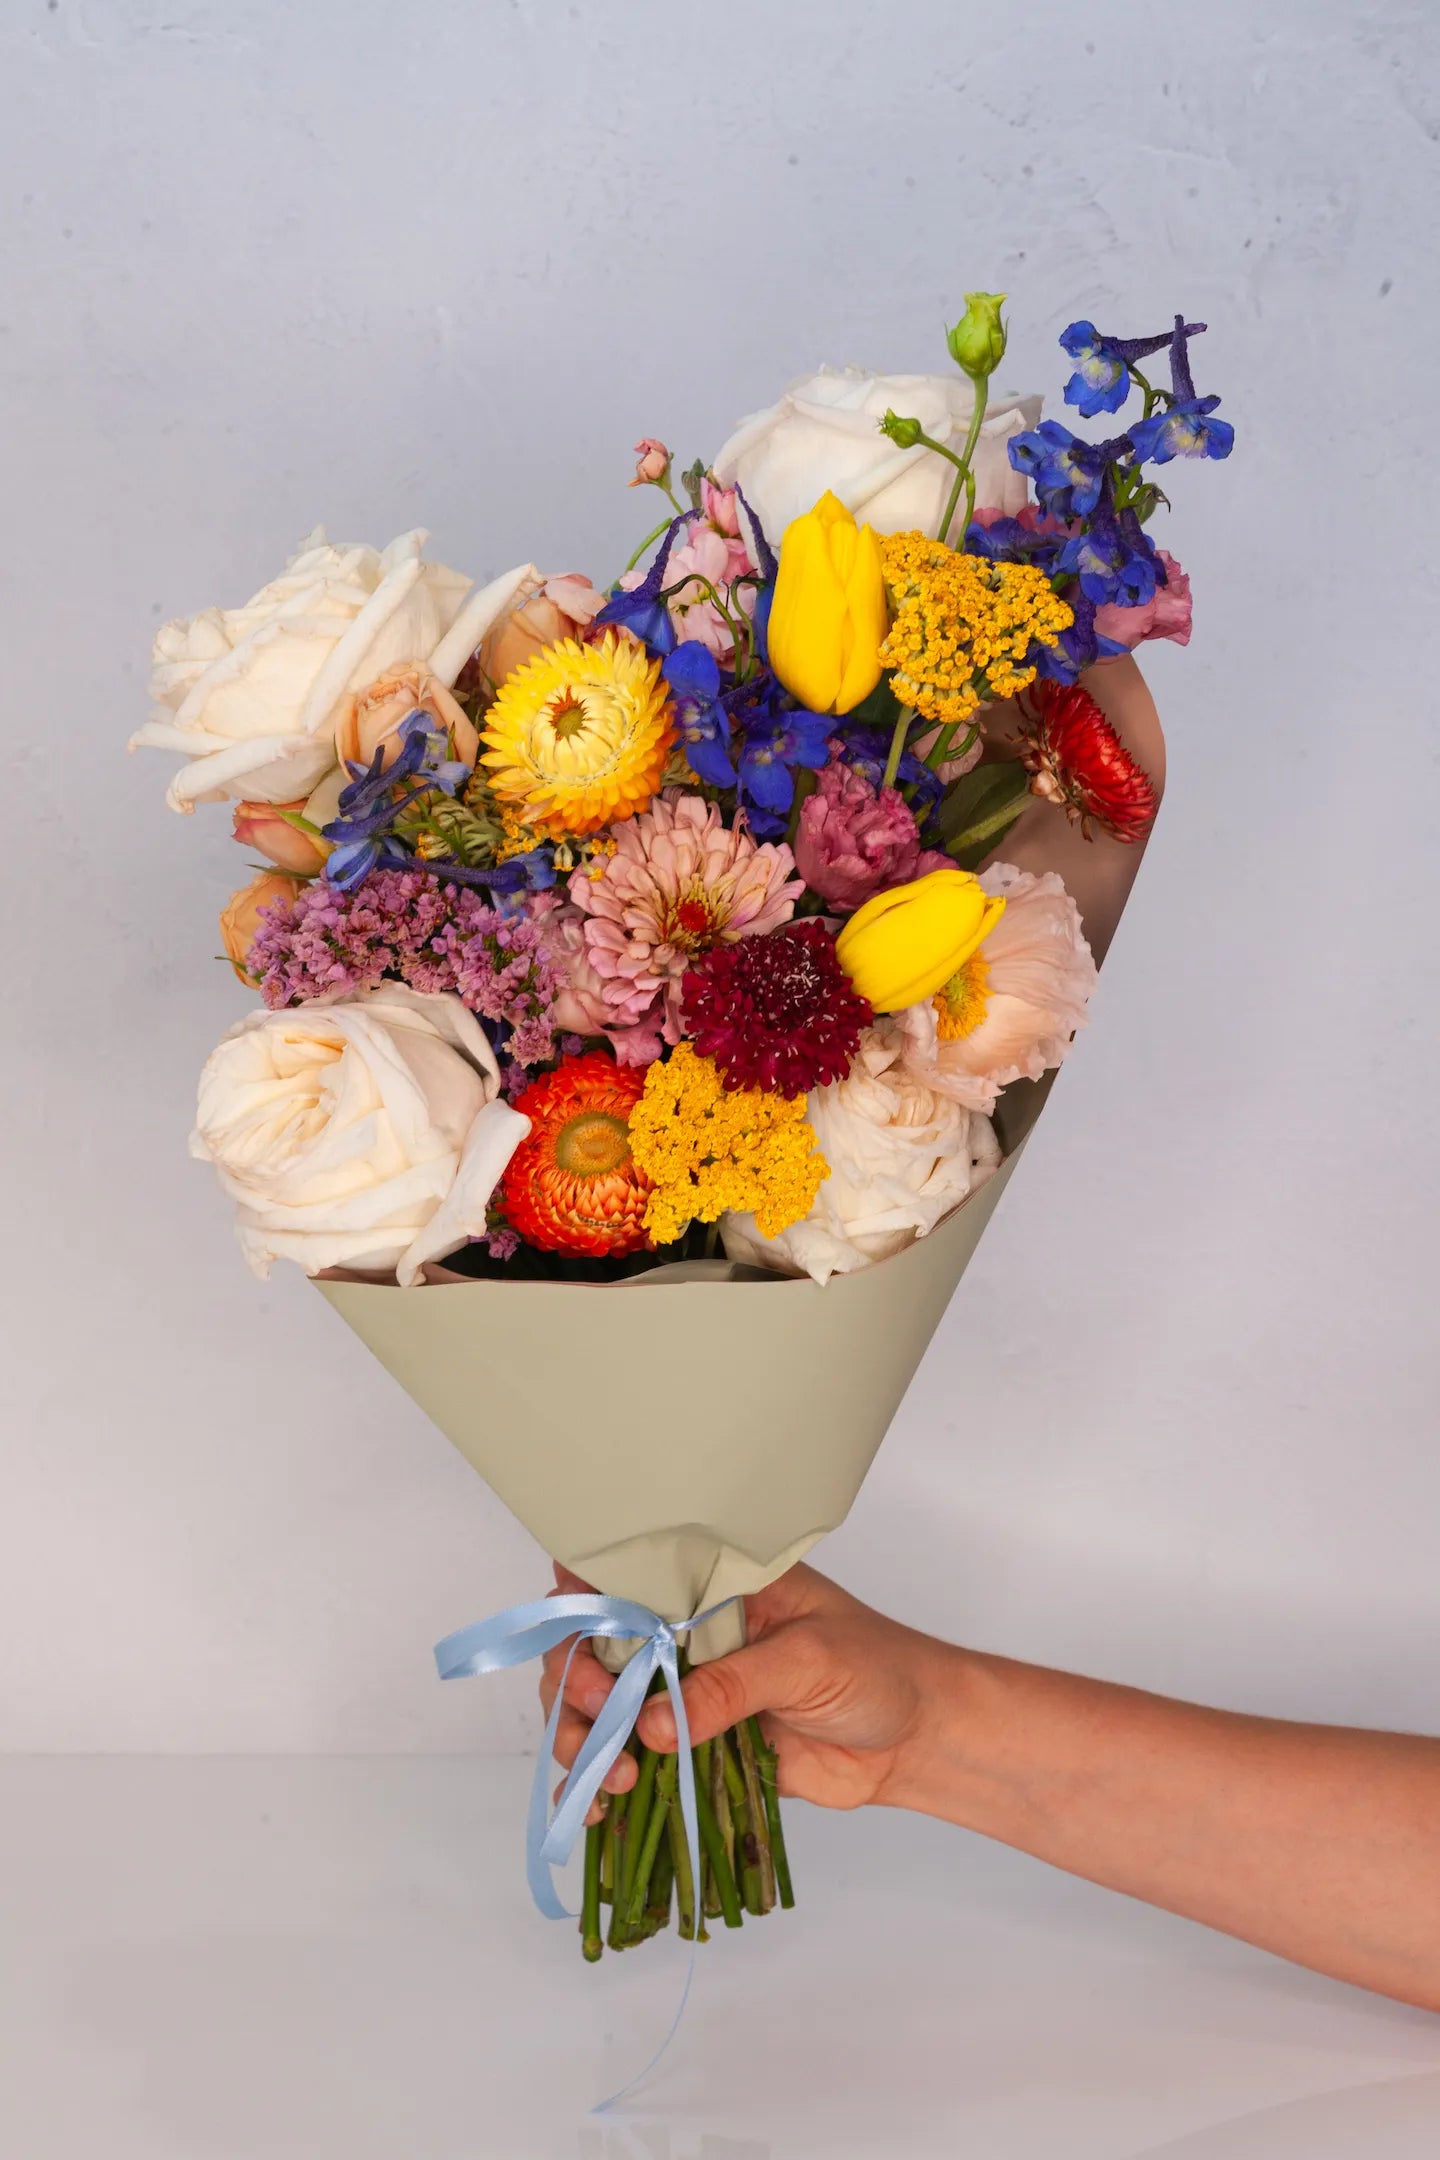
(1079, 763)
(776, 1011)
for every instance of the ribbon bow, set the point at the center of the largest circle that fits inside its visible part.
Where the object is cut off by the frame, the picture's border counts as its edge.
(522, 1632)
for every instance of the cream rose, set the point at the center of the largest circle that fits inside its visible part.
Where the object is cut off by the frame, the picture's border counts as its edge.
(900, 1154)
(251, 696)
(366, 1134)
(824, 433)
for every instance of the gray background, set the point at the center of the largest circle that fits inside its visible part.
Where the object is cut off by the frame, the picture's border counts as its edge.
(442, 264)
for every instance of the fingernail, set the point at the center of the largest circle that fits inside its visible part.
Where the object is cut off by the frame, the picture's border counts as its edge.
(658, 1726)
(595, 1700)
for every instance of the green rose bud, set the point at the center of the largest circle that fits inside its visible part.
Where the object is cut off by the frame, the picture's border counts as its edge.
(904, 432)
(977, 342)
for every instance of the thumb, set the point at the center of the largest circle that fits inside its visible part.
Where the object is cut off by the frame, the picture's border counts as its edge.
(720, 1695)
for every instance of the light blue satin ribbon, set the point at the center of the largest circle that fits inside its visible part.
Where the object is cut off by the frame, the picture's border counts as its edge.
(522, 1632)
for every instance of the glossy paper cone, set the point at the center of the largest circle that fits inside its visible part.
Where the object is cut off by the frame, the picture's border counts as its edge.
(686, 1435)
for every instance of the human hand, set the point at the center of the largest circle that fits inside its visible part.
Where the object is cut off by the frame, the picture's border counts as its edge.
(841, 1692)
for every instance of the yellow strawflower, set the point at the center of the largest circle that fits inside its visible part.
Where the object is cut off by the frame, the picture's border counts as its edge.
(963, 626)
(578, 737)
(712, 1150)
(829, 613)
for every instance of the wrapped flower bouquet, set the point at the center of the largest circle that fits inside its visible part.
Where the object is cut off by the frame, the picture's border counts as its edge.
(657, 978)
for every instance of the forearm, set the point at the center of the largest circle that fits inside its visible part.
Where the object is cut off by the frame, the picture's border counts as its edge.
(1319, 1843)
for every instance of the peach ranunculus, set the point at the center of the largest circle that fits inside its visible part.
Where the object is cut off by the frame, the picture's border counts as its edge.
(1012, 1010)
(240, 916)
(901, 1156)
(371, 719)
(546, 611)
(263, 827)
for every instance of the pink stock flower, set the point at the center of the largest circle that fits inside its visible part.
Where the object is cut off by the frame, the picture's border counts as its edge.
(1166, 615)
(721, 508)
(678, 883)
(652, 466)
(854, 841)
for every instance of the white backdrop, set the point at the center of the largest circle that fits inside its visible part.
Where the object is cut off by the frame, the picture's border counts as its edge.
(442, 265)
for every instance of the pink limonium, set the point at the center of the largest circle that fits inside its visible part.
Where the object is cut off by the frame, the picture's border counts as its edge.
(678, 882)
(1011, 1011)
(854, 840)
(631, 1022)
(409, 924)
(1166, 614)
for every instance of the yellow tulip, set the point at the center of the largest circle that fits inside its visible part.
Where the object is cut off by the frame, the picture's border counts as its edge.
(905, 944)
(828, 619)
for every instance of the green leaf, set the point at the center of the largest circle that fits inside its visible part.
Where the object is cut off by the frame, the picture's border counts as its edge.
(880, 709)
(301, 824)
(973, 819)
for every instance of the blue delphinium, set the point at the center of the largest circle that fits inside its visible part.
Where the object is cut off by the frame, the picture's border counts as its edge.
(1101, 381)
(642, 611)
(1009, 539)
(1113, 558)
(701, 720)
(1068, 474)
(769, 737)
(1080, 646)
(865, 748)
(362, 833)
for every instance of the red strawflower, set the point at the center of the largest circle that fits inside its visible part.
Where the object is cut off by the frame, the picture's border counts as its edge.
(572, 1185)
(776, 1011)
(1079, 762)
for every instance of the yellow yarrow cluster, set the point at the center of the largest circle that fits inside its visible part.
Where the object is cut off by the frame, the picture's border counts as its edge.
(713, 1150)
(963, 626)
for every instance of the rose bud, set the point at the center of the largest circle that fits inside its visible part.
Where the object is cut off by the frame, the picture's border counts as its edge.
(261, 826)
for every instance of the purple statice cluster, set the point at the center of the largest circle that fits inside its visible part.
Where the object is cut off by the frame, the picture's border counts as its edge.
(422, 930)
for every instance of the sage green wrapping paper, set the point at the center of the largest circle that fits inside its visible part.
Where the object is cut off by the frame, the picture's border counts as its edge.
(686, 1435)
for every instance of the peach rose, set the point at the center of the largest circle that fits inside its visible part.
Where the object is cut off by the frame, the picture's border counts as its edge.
(261, 825)
(560, 607)
(370, 719)
(240, 917)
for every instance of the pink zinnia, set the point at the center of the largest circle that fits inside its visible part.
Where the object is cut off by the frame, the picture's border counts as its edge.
(854, 840)
(679, 882)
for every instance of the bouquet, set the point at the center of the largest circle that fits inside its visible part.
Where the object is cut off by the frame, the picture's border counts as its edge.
(710, 933)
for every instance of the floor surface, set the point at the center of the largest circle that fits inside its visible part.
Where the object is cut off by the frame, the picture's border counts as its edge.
(335, 1959)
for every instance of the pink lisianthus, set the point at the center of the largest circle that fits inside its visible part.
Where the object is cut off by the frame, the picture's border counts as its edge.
(630, 1021)
(678, 882)
(854, 840)
(1166, 614)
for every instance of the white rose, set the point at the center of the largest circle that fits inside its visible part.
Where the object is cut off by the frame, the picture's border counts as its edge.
(900, 1157)
(252, 695)
(824, 433)
(366, 1134)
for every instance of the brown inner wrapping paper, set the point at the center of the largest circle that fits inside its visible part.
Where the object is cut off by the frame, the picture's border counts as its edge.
(686, 1435)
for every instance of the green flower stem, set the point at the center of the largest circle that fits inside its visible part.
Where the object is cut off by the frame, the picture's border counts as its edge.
(897, 744)
(940, 748)
(590, 1941)
(641, 1796)
(681, 1871)
(965, 477)
(705, 1768)
(747, 1840)
(668, 490)
(714, 1846)
(610, 1846)
(662, 1789)
(769, 1781)
(649, 540)
(662, 1882)
(755, 1804)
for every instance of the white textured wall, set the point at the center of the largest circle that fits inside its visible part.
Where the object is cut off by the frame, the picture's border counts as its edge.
(442, 264)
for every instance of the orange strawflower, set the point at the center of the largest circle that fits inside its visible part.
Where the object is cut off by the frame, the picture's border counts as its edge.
(573, 1185)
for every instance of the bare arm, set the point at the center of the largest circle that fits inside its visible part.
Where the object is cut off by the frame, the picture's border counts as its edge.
(1318, 1842)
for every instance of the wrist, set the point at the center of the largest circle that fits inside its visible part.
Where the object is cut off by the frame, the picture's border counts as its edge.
(936, 1755)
